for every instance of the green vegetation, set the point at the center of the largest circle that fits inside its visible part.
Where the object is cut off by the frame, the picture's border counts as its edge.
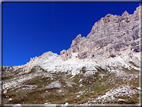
(74, 90)
(83, 70)
(132, 63)
(39, 81)
(132, 71)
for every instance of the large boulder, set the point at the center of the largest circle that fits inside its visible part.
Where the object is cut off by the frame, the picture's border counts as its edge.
(55, 84)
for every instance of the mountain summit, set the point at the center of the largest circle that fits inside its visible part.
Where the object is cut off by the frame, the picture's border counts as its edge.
(110, 35)
(102, 68)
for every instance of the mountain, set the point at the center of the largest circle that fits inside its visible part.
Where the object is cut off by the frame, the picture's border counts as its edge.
(102, 68)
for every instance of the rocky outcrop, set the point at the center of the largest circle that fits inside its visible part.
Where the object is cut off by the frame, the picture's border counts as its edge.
(76, 40)
(112, 34)
(55, 84)
(74, 48)
(65, 55)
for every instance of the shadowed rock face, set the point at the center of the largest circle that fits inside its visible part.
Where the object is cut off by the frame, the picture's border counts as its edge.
(112, 34)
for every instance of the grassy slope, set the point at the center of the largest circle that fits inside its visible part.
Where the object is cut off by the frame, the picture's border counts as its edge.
(92, 87)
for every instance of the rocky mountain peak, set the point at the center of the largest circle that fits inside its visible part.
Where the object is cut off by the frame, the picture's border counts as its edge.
(125, 14)
(137, 11)
(76, 40)
(48, 54)
(112, 34)
(78, 37)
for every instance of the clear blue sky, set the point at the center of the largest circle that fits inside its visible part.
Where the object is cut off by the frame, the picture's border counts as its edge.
(30, 29)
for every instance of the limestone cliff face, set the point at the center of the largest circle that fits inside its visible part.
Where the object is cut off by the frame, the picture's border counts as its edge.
(111, 35)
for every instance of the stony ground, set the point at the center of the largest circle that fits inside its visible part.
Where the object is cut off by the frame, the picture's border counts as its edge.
(103, 87)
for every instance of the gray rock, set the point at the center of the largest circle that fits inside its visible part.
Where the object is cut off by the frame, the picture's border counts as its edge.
(17, 105)
(63, 52)
(137, 49)
(82, 55)
(76, 40)
(75, 49)
(65, 55)
(89, 73)
(55, 84)
(113, 32)
(135, 43)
